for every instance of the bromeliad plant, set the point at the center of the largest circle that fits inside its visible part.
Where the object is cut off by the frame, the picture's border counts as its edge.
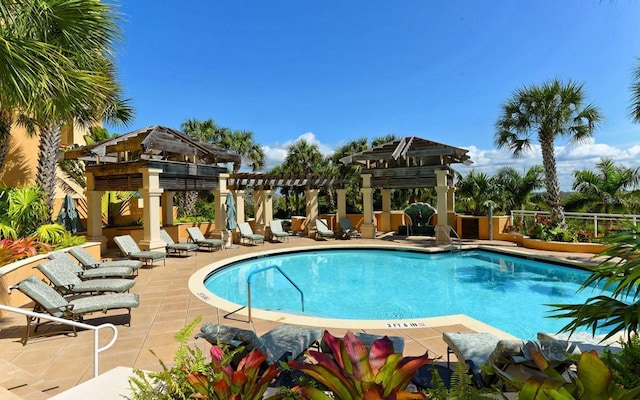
(355, 373)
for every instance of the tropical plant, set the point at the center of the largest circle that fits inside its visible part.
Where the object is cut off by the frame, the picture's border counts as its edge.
(474, 190)
(514, 189)
(22, 211)
(591, 381)
(13, 250)
(608, 190)
(352, 372)
(302, 159)
(625, 364)
(549, 110)
(619, 272)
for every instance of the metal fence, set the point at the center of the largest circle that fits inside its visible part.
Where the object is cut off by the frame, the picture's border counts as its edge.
(609, 220)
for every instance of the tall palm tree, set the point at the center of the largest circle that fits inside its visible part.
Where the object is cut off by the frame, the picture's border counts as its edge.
(475, 189)
(302, 159)
(350, 172)
(243, 143)
(635, 93)
(517, 188)
(606, 190)
(547, 111)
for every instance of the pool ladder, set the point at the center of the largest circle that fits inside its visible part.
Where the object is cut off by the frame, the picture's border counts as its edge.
(259, 270)
(448, 230)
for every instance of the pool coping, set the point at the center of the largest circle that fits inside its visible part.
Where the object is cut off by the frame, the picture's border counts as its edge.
(236, 311)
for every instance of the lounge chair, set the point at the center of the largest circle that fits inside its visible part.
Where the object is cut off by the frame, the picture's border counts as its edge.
(87, 261)
(276, 230)
(284, 342)
(91, 273)
(66, 282)
(247, 233)
(177, 248)
(47, 300)
(196, 236)
(322, 229)
(512, 356)
(130, 249)
(348, 229)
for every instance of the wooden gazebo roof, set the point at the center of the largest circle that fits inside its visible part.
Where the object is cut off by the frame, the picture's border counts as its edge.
(409, 162)
(243, 180)
(186, 164)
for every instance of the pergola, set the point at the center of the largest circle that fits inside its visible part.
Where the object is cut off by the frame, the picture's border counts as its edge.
(407, 163)
(157, 162)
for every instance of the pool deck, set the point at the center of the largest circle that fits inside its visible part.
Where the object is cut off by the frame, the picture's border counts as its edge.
(48, 366)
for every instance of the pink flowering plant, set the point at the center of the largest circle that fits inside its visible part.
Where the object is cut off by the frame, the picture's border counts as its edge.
(353, 372)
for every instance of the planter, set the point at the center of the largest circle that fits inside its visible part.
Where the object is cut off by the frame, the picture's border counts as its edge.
(538, 244)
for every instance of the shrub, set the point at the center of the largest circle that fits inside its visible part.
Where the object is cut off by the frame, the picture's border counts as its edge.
(625, 364)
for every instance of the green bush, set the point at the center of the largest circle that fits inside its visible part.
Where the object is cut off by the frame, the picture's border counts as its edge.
(625, 365)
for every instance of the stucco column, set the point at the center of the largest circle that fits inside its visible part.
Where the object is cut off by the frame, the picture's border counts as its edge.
(442, 232)
(220, 201)
(367, 229)
(94, 212)
(451, 206)
(259, 209)
(239, 197)
(385, 221)
(151, 193)
(342, 204)
(311, 197)
(167, 208)
(268, 206)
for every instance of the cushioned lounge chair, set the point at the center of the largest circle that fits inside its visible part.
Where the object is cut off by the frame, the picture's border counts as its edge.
(512, 356)
(348, 229)
(87, 260)
(322, 229)
(66, 281)
(47, 300)
(130, 249)
(284, 342)
(276, 230)
(92, 273)
(196, 236)
(179, 249)
(247, 234)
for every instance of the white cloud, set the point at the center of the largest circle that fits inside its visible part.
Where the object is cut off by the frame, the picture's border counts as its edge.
(276, 153)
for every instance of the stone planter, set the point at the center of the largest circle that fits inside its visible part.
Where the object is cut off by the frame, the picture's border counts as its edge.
(538, 244)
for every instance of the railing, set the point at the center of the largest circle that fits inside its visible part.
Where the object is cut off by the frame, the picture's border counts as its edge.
(595, 217)
(252, 273)
(447, 230)
(96, 349)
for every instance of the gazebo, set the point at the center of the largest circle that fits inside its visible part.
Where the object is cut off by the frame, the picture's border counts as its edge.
(409, 162)
(157, 162)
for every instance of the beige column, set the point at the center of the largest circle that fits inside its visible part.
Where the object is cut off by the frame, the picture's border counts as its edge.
(220, 201)
(368, 228)
(311, 198)
(151, 193)
(385, 221)
(259, 209)
(94, 212)
(442, 231)
(342, 204)
(239, 197)
(167, 208)
(268, 206)
(451, 206)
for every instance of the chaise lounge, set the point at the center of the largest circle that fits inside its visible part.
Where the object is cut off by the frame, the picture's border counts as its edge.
(179, 249)
(347, 228)
(196, 236)
(247, 233)
(130, 249)
(276, 230)
(87, 261)
(512, 356)
(66, 282)
(322, 229)
(91, 273)
(47, 300)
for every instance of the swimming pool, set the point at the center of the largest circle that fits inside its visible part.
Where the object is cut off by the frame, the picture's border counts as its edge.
(503, 291)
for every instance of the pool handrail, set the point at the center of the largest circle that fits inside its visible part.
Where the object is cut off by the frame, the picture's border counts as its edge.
(96, 349)
(252, 273)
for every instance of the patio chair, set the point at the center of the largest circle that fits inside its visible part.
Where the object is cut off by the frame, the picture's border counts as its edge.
(276, 230)
(179, 249)
(511, 356)
(66, 282)
(196, 236)
(348, 229)
(247, 233)
(130, 249)
(284, 342)
(47, 300)
(87, 261)
(322, 229)
(91, 273)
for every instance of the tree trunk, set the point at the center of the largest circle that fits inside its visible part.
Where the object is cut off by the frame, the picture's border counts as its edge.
(553, 187)
(187, 203)
(6, 120)
(50, 137)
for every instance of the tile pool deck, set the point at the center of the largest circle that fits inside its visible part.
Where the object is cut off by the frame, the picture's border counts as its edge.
(48, 366)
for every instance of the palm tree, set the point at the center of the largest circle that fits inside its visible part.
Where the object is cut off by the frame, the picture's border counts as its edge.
(302, 159)
(243, 143)
(82, 34)
(549, 110)
(604, 191)
(475, 189)
(635, 91)
(516, 189)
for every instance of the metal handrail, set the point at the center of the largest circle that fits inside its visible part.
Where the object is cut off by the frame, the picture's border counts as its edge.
(582, 216)
(447, 229)
(252, 273)
(96, 349)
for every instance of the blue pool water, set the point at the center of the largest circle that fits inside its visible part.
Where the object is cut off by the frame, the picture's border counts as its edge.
(506, 292)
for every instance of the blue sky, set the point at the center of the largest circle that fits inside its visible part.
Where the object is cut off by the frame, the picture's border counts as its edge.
(330, 71)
